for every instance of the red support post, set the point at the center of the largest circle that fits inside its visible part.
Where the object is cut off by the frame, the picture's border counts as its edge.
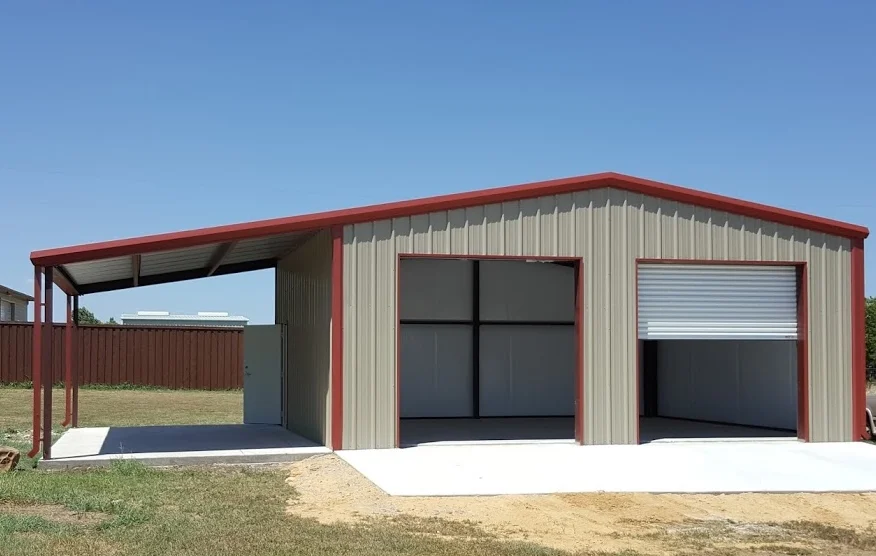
(47, 377)
(336, 439)
(35, 363)
(68, 364)
(75, 417)
(859, 343)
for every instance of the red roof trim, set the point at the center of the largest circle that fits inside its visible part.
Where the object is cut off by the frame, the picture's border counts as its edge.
(219, 234)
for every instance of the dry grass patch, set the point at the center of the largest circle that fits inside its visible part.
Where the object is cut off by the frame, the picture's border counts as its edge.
(208, 512)
(53, 513)
(322, 506)
(864, 539)
(121, 408)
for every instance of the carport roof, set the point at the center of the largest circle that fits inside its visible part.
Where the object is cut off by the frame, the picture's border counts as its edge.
(177, 256)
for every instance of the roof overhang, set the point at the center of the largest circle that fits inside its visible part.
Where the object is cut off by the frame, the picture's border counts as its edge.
(172, 257)
(85, 275)
(9, 292)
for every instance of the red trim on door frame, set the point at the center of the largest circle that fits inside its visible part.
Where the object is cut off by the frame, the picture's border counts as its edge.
(803, 352)
(337, 370)
(716, 262)
(398, 351)
(579, 326)
(579, 351)
(802, 331)
(859, 350)
(638, 355)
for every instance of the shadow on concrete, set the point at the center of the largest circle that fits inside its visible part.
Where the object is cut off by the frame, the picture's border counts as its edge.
(196, 438)
(656, 429)
(415, 432)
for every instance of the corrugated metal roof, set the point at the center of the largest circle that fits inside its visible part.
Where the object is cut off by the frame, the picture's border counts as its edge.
(9, 292)
(200, 261)
(167, 316)
(249, 246)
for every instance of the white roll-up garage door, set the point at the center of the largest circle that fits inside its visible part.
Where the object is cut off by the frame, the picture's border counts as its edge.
(717, 302)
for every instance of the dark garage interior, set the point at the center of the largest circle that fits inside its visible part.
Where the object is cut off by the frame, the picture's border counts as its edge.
(487, 351)
(718, 351)
(717, 389)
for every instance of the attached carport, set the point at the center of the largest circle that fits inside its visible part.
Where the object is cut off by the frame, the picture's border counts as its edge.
(147, 261)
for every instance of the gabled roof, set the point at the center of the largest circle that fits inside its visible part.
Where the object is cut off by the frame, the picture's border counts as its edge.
(9, 292)
(239, 247)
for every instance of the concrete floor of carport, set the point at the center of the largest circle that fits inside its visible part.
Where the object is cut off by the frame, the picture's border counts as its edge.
(436, 432)
(180, 445)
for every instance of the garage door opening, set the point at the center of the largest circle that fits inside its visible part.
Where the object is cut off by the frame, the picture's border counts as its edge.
(488, 350)
(721, 351)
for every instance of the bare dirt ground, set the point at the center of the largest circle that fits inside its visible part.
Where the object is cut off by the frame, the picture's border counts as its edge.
(331, 491)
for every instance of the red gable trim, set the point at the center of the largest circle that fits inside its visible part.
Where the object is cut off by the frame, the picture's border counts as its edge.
(203, 236)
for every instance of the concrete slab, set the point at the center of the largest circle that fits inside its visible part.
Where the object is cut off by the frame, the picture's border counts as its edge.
(677, 467)
(179, 445)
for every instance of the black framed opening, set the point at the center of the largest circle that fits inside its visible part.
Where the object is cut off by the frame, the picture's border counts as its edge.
(499, 337)
(714, 389)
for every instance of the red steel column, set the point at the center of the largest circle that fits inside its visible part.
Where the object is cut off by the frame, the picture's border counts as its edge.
(337, 370)
(47, 377)
(68, 364)
(35, 356)
(75, 417)
(859, 343)
(803, 402)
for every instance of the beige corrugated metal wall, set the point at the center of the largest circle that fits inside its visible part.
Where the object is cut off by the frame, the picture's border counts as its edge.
(17, 309)
(303, 304)
(609, 229)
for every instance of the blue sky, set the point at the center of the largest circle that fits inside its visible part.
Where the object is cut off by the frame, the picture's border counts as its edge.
(121, 120)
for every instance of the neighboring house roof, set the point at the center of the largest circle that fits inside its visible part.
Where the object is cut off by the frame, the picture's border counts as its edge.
(175, 256)
(201, 316)
(9, 292)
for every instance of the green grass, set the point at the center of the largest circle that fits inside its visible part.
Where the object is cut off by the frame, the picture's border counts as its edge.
(123, 386)
(209, 512)
(11, 523)
(134, 510)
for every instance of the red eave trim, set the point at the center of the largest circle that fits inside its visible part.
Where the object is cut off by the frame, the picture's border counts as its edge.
(859, 349)
(191, 238)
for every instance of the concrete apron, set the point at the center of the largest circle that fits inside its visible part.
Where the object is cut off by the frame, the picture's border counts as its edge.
(741, 465)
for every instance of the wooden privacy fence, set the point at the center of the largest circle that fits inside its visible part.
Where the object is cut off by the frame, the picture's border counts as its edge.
(167, 357)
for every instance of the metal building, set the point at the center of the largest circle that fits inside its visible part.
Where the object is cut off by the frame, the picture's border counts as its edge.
(604, 309)
(13, 305)
(201, 318)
